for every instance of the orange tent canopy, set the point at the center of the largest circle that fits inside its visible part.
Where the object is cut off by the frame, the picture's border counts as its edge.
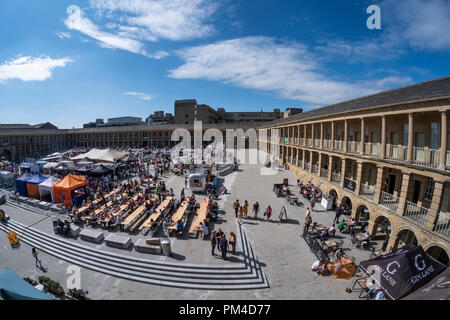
(62, 189)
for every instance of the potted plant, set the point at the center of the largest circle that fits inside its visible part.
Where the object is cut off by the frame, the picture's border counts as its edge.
(31, 281)
(51, 286)
(77, 294)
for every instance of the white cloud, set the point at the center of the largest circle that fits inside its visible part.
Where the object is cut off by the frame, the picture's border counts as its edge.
(140, 95)
(286, 69)
(161, 19)
(30, 68)
(423, 24)
(77, 21)
(63, 35)
(405, 24)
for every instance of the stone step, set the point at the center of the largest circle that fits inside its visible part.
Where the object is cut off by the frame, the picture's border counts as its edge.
(71, 246)
(210, 285)
(215, 281)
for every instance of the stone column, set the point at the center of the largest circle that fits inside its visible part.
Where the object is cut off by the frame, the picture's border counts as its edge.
(409, 156)
(310, 161)
(433, 211)
(332, 135)
(313, 136)
(383, 137)
(304, 159)
(359, 178)
(362, 136)
(320, 164)
(404, 191)
(443, 148)
(330, 167)
(343, 167)
(304, 136)
(378, 184)
(345, 135)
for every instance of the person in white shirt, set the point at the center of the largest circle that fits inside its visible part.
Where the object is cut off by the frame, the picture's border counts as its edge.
(204, 230)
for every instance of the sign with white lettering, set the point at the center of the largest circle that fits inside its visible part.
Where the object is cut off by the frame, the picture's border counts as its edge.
(403, 271)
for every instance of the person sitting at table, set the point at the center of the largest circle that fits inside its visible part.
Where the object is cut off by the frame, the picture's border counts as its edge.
(366, 237)
(324, 235)
(318, 266)
(180, 226)
(342, 225)
(332, 230)
(94, 218)
(338, 254)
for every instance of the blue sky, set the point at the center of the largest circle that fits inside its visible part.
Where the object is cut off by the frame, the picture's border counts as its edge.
(70, 62)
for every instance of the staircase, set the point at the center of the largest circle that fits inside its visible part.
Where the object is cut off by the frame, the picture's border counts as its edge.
(241, 276)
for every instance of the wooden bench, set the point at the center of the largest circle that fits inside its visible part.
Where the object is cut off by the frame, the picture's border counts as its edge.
(155, 216)
(201, 215)
(178, 215)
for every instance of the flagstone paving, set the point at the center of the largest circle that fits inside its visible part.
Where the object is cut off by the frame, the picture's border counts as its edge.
(284, 255)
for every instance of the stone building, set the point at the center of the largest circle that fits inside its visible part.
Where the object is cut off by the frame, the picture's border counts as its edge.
(385, 156)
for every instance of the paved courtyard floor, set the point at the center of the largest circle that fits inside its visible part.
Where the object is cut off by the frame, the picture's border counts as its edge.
(284, 255)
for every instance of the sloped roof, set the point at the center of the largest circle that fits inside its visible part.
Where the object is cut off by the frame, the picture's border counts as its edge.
(70, 182)
(50, 182)
(437, 88)
(108, 155)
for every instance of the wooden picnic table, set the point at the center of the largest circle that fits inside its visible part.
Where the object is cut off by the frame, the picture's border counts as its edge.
(133, 215)
(330, 243)
(155, 215)
(201, 215)
(178, 215)
(361, 237)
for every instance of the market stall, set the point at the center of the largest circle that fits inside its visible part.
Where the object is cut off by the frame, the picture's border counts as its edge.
(21, 183)
(70, 190)
(7, 179)
(33, 186)
(46, 189)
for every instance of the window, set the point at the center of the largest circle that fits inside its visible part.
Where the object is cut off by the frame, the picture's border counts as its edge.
(435, 135)
(405, 134)
(429, 190)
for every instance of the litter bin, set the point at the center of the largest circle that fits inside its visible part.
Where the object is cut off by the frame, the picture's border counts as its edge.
(166, 248)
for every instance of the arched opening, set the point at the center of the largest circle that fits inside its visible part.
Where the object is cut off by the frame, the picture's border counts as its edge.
(347, 203)
(382, 231)
(362, 214)
(405, 237)
(6, 155)
(439, 254)
(362, 217)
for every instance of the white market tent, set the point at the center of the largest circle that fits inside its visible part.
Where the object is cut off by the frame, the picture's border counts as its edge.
(46, 187)
(106, 155)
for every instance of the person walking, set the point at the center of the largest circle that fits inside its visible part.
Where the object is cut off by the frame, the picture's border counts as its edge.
(233, 242)
(255, 210)
(236, 206)
(213, 243)
(185, 182)
(268, 213)
(224, 246)
(245, 209)
(240, 214)
(218, 236)
(35, 256)
(338, 214)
